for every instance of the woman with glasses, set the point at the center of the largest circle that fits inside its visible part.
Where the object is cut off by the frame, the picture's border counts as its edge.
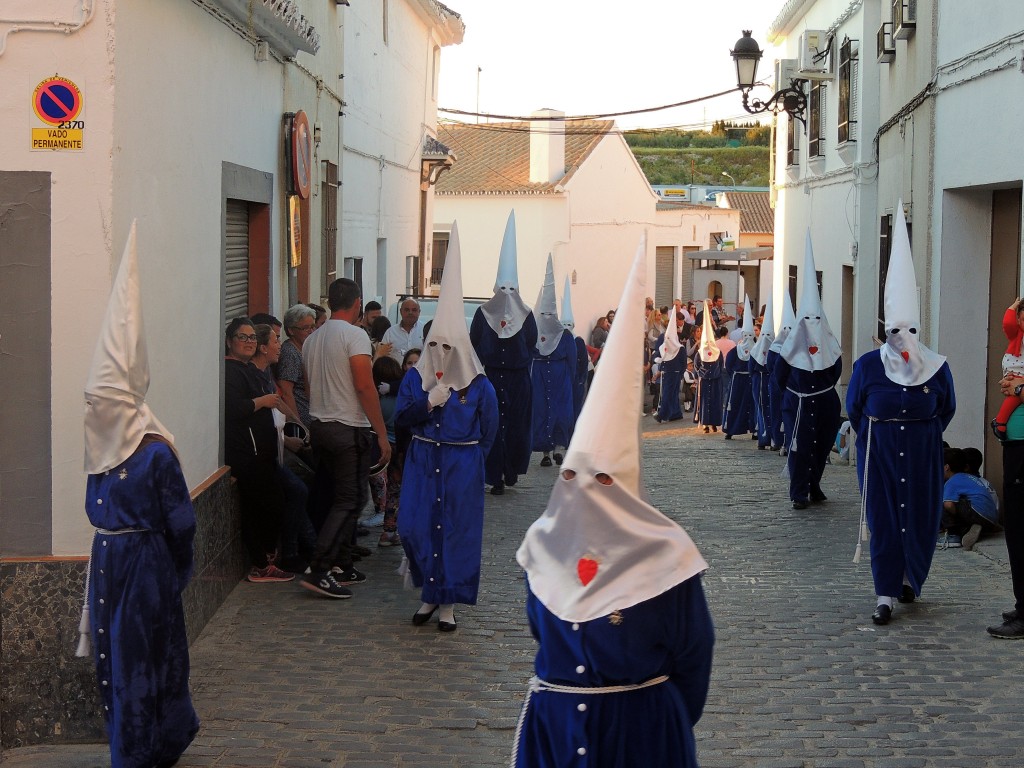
(299, 323)
(250, 449)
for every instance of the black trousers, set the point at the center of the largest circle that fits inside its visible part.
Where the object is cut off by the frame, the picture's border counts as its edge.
(1013, 515)
(263, 506)
(345, 451)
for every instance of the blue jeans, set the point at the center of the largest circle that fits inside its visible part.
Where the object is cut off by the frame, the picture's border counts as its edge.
(297, 534)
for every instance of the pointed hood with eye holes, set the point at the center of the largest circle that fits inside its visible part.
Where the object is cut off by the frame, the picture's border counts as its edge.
(549, 327)
(709, 351)
(671, 345)
(448, 358)
(506, 312)
(906, 360)
(116, 414)
(764, 341)
(746, 342)
(568, 321)
(786, 324)
(598, 548)
(811, 345)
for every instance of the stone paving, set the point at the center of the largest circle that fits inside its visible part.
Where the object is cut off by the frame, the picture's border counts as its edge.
(802, 678)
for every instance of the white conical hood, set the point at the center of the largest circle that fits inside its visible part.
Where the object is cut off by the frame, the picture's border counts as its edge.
(906, 360)
(506, 312)
(448, 358)
(764, 341)
(670, 347)
(746, 342)
(786, 324)
(598, 548)
(116, 415)
(811, 345)
(568, 321)
(709, 350)
(549, 327)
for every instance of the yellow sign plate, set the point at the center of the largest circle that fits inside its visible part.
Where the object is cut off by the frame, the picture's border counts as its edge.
(58, 139)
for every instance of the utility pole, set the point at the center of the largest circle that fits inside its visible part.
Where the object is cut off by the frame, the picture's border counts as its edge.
(478, 71)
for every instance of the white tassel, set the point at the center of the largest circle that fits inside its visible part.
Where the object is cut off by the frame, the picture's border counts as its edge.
(404, 571)
(84, 635)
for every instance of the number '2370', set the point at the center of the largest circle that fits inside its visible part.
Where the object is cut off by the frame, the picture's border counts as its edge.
(71, 125)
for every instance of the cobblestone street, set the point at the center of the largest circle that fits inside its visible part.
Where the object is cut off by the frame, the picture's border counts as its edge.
(802, 678)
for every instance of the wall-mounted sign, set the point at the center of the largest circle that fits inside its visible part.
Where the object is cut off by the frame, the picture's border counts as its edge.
(294, 231)
(58, 103)
(302, 154)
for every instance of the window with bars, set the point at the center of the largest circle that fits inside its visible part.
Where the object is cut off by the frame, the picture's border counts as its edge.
(793, 132)
(848, 65)
(816, 121)
(329, 224)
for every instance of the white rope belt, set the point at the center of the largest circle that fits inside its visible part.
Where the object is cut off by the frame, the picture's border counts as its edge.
(538, 685)
(732, 384)
(799, 409)
(444, 442)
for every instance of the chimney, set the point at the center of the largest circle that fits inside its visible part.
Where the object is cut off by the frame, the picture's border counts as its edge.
(547, 147)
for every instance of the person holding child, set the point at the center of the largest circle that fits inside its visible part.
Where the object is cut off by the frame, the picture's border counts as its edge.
(1013, 365)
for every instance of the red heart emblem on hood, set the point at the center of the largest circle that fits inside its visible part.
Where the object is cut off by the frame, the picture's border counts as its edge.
(439, 374)
(543, 338)
(586, 569)
(905, 355)
(503, 323)
(813, 350)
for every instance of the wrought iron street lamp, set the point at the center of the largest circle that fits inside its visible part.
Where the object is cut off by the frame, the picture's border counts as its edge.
(746, 53)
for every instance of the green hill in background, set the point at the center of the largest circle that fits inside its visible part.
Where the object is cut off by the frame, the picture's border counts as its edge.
(700, 157)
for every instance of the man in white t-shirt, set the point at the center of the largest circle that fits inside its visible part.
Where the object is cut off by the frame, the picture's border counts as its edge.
(408, 334)
(343, 406)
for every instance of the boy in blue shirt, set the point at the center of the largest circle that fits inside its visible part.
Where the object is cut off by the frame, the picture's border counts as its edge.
(969, 505)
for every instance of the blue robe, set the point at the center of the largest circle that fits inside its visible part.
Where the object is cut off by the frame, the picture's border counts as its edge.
(759, 383)
(554, 415)
(441, 509)
(579, 384)
(670, 634)
(819, 420)
(710, 390)
(671, 380)
(507, 365)
(739, 408)
(138, 625)
(903, 496)
(778, 431)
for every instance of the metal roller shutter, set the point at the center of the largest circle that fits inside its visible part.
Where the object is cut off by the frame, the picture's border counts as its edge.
(236, 260)
(664, 259)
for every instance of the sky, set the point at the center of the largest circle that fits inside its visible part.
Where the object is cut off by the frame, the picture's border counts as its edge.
(598, 56)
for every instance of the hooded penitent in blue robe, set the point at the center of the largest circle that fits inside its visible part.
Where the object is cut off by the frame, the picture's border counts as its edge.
(507, 364)
(579, 384)
(554, 414)
(710, 390)
(441, 511)
(739, 407)
(671, 380)
(137, 574)
(759, 380)
(777, 430)
(811, 409)
(670, 634)
(901, 478)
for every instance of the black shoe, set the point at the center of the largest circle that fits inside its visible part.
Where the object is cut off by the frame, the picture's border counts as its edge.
(498, 490)
(817, 497)
(1010, 630)
(706, 430)
(728, 437)
(558, 459)
(325, 584)
(348, 575)
(546, 461)
(419, 619)
(358, 549)
(714, 429)
(999, 430)
(907, 594)
(753, 437)
(447, 626)
(799, 504)
(510, 481)
(1010, 615)
(761, 447)
(882, 614)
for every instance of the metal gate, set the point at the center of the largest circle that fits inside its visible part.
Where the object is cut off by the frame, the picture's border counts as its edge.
(236, 260)
(664, 263)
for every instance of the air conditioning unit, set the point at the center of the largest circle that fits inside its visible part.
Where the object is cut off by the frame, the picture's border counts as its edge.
(814, 55)
(904, 18)
(785, 73)
(886, 45)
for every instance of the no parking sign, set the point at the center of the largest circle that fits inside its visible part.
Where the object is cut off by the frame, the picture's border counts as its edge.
(57, 102)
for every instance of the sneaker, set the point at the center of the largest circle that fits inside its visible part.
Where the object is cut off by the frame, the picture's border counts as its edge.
(948, 541)
(1008, 630)
(269, 574)
(325, 584)
(347, 576)
(389, 539)
(373, 521)
(969, 539)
